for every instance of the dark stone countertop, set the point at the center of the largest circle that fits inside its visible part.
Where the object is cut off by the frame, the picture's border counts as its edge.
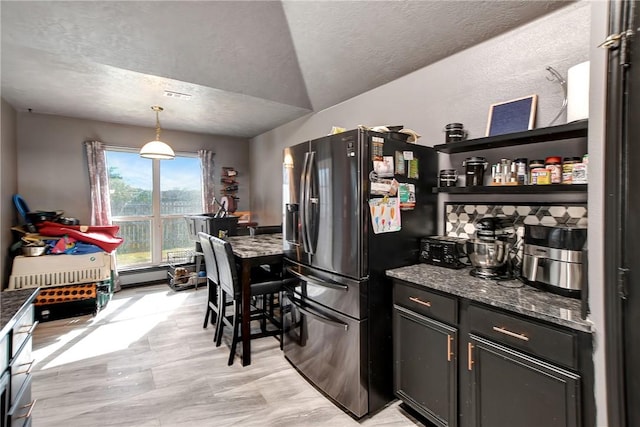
(256, 246)
(510, 295)
(11, 302)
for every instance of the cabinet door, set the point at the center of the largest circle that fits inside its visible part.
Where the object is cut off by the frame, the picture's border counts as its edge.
(425, 365)
(511, 389)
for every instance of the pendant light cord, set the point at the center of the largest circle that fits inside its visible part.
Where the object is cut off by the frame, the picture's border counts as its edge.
(157, 125)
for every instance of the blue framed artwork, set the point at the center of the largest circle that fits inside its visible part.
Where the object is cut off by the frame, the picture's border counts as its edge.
(517, 115)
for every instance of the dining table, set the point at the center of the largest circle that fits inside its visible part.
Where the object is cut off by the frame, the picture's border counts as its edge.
(251, 251)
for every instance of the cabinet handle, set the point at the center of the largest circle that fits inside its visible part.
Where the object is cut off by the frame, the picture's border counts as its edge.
(449, 352)
(470, 356)
(522, 337)
(419, 301)
(30, 406)
(28, 371)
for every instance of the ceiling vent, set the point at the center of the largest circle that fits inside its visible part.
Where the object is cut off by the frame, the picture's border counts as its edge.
(177, 95)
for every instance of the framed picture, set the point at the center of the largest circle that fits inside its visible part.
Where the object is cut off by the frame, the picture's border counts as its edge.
(516, 115)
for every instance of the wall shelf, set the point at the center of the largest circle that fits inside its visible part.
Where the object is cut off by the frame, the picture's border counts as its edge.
(514, 189)
(577, 129)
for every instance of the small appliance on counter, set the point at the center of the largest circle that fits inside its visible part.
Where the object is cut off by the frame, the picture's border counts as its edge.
(490, 252)
(553, 258)
(443, 251)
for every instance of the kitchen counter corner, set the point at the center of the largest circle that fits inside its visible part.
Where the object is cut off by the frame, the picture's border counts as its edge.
(511, 295)
(12, 302)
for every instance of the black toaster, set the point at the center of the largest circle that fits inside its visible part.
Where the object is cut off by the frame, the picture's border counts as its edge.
(443, 251)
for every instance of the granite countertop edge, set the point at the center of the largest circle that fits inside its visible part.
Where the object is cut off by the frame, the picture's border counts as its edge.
(13, 302)
(514, 296)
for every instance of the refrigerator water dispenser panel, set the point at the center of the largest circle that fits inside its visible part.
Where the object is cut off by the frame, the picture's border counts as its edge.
(291, 234)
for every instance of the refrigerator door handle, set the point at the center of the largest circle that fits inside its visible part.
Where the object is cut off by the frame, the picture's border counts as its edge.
(318, 281)
(314, 204)
(304, 194)
(298, 304)
(307, 203)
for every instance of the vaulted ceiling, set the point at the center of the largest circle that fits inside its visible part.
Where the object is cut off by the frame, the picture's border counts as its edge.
(236, 68)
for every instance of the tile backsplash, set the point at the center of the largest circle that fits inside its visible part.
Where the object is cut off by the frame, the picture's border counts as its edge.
(460, 219)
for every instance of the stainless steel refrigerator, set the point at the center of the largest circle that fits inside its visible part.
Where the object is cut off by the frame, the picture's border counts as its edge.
(338, 317)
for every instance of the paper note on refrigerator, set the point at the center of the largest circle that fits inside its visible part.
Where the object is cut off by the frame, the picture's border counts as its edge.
(385, 214)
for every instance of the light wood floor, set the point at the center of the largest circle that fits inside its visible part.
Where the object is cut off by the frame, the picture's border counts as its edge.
(145, 360)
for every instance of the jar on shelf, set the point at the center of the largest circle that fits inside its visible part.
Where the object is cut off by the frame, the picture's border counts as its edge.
(567, 169)
(554, 165)
(522, 171)
(454, 132)
(448, 178)
(534, 165)
(474, 172)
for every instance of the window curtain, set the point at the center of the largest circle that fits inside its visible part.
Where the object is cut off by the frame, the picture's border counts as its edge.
(99, 183)
(99, 188)
(208, 182)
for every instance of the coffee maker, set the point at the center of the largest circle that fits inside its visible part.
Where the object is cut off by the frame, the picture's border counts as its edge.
(553, 258)
(490, 251)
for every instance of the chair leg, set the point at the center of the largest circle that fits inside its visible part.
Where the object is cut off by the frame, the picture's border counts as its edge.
(234, 336)
(263, 318)
(214, 299)
(281, 321)
(222, 312)
(272, 305)
(206, 316)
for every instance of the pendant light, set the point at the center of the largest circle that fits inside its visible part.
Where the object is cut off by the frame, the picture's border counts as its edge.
(157, 149)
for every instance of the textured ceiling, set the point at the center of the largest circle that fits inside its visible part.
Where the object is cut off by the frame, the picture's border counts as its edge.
(249, 66)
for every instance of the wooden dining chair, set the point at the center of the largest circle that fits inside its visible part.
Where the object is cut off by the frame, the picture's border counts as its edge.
(230, 286)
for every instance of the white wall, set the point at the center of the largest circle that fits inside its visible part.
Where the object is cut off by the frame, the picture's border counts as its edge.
(52, 169)
(459, 88)
(8, 184)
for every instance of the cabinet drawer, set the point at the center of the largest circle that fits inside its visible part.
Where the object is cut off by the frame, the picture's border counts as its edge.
(528, 335)
(22, 330)
(21, 366)
(20, 412)
(425, 302)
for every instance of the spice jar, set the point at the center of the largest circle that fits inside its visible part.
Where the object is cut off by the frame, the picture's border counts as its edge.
(580, 171)
(522, 173)
(533, 165)
(554, 166)
(567, 169)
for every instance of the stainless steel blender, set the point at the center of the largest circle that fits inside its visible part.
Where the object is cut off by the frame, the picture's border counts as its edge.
(490, 251)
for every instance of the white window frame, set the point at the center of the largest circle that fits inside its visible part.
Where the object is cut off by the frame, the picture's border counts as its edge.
(156, 217)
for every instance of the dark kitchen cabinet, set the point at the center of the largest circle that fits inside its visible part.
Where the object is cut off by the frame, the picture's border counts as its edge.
(425, 363)
(425, 366)
(458, 362)
(521, 372)
(510, 388)
(16, 361)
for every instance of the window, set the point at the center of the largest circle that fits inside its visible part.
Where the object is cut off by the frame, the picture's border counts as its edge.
(149, 199)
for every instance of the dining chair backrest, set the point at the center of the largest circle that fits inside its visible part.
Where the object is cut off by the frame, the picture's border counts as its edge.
(227, 273)
(209, 257)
